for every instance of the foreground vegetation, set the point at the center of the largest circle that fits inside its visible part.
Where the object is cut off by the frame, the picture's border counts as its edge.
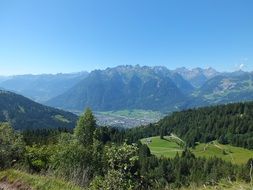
(37, 182)
(95, 157)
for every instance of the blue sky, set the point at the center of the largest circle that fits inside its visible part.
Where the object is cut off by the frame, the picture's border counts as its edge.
(51, 36)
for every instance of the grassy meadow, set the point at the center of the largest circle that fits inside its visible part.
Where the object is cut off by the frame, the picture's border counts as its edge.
(169, 148)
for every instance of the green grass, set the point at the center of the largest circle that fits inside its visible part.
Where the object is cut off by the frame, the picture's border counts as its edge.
(165, 147)
(37, 182)
(236, 155)
(61, 118)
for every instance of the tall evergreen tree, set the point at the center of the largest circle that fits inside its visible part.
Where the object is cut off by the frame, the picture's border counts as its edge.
(85, 128)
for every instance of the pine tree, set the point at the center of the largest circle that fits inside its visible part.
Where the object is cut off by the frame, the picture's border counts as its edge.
(162, 132)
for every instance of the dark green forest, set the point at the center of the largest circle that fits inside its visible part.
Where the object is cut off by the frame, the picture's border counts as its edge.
(23, 113)
(229, 124)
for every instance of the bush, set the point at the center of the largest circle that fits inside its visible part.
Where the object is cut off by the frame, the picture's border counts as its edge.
(11, 146)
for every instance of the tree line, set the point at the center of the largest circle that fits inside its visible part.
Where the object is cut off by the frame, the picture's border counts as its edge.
(229, 124)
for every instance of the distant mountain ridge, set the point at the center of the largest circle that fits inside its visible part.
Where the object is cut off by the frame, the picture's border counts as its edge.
(226, 88)
(136, 87)
(197, 76)
(3, 78)
(125, 87)
(155, 88)
(23, 113)
(41, 87)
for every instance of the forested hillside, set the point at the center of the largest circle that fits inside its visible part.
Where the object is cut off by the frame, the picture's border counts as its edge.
(23, 113)
(232, 123)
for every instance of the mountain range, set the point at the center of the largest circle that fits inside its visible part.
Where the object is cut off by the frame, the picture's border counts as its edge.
(41, 87)
(135, 87)
(125, 87)
(197, 76)
(23, 113)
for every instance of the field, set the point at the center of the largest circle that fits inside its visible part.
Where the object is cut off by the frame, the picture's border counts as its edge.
(169, 148)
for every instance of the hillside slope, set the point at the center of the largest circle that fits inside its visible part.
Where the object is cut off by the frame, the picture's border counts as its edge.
(229, 124)
(24, 113)
(226, 88)
(232, 123)
(222, 89)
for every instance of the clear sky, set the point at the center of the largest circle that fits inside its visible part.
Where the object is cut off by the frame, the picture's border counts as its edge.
(50, 36)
